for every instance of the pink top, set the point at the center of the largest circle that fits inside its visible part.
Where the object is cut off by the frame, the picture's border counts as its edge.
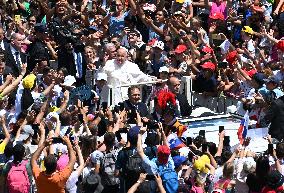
(222, 8)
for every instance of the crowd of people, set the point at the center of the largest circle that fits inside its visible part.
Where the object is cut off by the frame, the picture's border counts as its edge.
(55, 142)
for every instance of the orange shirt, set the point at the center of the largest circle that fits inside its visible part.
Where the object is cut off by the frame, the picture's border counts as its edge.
(54, 183)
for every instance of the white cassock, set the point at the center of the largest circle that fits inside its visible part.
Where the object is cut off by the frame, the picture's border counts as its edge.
(120, 74)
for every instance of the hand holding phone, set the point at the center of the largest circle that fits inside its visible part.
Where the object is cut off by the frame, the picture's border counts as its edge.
(221, 128)
(270, 149)
(226, 141)
(202, 133)
(17, 19)
(57, 140)
(104, 106)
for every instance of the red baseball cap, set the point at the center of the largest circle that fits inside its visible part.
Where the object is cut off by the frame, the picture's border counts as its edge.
(209, 65)
(180, 49)
(231, 57)
(250, 73)
(151, 42)
(163, 154)
(207, 49)
(217, 16)
(280, 45)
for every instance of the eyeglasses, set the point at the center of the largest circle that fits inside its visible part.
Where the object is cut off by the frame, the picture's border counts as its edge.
(114, 42)
(118, 5)
(32, 20)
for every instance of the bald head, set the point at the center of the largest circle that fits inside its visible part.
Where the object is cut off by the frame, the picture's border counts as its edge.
(121, 56)
(174, 84)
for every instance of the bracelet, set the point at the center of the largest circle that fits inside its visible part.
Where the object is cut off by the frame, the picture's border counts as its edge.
(138, 181)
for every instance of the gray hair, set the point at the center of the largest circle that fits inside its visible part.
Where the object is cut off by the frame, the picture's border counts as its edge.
(108, 46)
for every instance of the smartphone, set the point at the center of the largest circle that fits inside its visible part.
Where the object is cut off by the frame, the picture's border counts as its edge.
(188, 141)
(68, 131)
(104, 106)
(17, 18)
(270, 149)
(90, 5)
(216, 37)
(57, 140)
(226, 141)
(222, 65)
(204, 148)
(150, 177)
(113, 7)
(221, 128)
(202, 133)
(80, 118)
(121, 106)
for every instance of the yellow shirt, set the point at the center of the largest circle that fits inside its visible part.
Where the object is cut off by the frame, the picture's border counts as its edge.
(2, 147)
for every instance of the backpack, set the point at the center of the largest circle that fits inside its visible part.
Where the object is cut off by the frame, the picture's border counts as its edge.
(108, 168)
(169, 177)
(18, 178)
(133, 167)
(92, 183)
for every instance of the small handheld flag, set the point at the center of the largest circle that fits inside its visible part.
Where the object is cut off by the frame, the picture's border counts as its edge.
(243, 129)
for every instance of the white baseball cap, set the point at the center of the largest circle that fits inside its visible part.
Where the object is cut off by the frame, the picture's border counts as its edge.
(164, 69)
(101, 76)
(159, 44)
(69, 80)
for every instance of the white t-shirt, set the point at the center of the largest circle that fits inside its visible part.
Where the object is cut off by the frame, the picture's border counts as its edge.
(71, 186)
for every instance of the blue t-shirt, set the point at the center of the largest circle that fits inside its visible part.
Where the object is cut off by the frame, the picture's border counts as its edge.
(154, 35)
(116, 25)
(203, 85)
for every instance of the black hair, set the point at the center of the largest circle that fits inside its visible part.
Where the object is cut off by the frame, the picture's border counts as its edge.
(65, 118)
(198, 141)
(212, 148)
(262, 166)
(152, 139)
(131, 88)
(225, 156)
(280, 150)
(50, 163)
(109, 139)
(8, 152)
(88, 145)
(18, 152)
(64, 70)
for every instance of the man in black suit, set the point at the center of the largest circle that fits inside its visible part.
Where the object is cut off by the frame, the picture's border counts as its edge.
(38, 48)
(4, 70)
(72, 58)
(13, 55)
(184, 109)
(133, 104)
(275, 116)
